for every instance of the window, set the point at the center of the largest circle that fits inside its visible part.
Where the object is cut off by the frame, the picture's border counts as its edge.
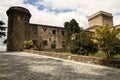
(54, 32)
(34, 29)
(45, 42)
(63, 33)
(44, 28)
(54, 41)
(35, 42)
(63, 42)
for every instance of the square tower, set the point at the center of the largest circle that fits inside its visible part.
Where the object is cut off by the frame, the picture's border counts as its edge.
(101, 18)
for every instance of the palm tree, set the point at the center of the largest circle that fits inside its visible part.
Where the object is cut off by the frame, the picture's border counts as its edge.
(106, 38)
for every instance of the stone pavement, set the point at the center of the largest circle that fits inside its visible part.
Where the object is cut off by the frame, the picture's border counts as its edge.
(26, 66)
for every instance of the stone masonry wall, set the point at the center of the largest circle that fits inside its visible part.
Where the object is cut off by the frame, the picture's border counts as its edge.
(45, 36)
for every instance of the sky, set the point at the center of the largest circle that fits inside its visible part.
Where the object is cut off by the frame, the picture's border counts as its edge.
(56, 12)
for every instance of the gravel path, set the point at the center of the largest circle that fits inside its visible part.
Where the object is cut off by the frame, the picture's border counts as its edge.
(25, 66)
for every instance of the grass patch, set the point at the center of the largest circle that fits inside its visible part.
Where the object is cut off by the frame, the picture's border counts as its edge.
(101, 55)
(116, 57)
(67, 53)
(98, 54)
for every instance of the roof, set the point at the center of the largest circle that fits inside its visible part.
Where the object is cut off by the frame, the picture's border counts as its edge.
(47, 25)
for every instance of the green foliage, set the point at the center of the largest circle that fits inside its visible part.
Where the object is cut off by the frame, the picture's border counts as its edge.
(112, 48)
(107, 40)
(2, 29)
(53, 45)
(28, 44)
(100, 34)
(71, 28)
(83, 44)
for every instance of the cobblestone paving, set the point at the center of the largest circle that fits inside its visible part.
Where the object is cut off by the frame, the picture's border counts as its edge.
(25, 66)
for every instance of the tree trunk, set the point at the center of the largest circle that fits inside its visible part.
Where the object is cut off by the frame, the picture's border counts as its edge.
(100, 50)
(108, 54)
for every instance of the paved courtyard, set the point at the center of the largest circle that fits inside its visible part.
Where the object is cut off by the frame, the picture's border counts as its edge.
(25, 66)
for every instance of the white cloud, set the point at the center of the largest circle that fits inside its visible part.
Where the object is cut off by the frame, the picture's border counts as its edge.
(5, 4)
(51, 18)
(2, 47)
(60, 4)
(81, 9)
(116, 20)
(85, 7)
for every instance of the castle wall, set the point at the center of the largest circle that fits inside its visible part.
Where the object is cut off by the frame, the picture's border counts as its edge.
(46, 35)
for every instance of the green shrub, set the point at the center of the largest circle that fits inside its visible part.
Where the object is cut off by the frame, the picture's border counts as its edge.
(28, 44)
(53, 45)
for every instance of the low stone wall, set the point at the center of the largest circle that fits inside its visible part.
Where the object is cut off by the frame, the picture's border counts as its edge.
(56, 50)
(86, 59)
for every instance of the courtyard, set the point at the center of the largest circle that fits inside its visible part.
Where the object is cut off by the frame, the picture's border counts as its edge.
(26, 66)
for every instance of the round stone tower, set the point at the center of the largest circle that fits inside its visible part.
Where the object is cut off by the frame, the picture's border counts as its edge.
(18, 20)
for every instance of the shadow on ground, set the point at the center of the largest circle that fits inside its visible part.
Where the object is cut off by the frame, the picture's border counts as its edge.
(14, 66)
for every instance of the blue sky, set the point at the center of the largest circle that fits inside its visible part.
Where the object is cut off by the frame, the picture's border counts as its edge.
(56, 12)
(42, 7)
(32, 2)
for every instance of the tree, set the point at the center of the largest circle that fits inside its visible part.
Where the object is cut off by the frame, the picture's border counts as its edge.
(84, 44)
(107, 39)
(112, 48)
(79, 41)
(71, 28)
(99, 35)
(2, 29)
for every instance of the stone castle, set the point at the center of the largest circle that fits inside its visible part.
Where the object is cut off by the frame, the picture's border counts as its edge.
(19, 29)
